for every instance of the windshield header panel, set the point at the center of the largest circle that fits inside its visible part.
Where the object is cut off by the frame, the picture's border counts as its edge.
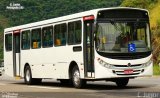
(120, 14)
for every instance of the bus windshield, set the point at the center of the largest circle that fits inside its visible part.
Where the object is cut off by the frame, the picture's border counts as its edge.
(116, 37)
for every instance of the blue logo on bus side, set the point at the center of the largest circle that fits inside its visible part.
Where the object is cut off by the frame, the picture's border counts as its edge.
(131, 47)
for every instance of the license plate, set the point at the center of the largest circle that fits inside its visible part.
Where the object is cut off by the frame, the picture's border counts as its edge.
(128, 71)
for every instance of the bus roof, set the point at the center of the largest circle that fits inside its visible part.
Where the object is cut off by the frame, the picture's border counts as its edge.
(64, 18)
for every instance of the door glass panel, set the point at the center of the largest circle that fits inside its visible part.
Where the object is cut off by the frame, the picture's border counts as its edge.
(88, 47)
(16, 54)
(17, 44)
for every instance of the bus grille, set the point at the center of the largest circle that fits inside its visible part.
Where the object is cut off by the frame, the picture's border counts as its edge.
(138, 65)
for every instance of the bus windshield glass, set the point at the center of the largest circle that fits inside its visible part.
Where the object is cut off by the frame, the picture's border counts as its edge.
(123, 37)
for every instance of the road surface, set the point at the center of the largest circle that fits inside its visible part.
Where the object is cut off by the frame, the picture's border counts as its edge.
(148, 87)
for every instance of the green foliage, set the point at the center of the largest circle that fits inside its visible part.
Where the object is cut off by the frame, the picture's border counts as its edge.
(3, 24)
(156, 69)
(138, 3)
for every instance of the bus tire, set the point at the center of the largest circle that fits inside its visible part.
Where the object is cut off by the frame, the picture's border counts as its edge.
(76, 80)
(122, 82)
(28, 76)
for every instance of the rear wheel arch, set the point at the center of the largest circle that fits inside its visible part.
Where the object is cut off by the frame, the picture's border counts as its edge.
(28, 79)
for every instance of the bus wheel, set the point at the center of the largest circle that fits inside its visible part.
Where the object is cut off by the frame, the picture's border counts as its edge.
(76, 80)
(122, 82)
(28, 76)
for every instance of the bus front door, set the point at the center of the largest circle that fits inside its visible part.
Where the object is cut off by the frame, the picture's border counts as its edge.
(16, 53)
(89, 48)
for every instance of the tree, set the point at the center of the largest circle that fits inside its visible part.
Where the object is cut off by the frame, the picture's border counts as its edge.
(136, 3)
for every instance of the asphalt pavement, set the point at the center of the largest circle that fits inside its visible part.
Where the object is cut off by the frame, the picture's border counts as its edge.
(144, 87)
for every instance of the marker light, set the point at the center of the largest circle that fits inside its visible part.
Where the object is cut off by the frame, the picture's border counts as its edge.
(16, 31)
(147, 63)
(88, 18)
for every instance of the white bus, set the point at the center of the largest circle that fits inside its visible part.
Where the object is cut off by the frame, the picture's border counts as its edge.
(111, 44)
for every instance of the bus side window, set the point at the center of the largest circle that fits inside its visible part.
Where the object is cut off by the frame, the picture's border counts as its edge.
(63, 33)
(70, 33)
(78, 30)
(25, 40)
(60, 34)
(36, 38)
(56, 35)
(8, 42)
(74, 32)
(47, 37)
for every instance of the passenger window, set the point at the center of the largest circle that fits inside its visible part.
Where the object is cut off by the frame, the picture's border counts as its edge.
(25, 40)
(8, 42)
(78, 29)
(74, 32)
(60, 35)
(71, 33)
(47, 37)
(36, 38)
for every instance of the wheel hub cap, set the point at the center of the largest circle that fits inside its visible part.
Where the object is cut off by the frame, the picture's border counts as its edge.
(76, 77)
(27, 75)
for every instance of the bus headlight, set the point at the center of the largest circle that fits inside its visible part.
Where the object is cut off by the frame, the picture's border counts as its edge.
(147, 63)
(103, 63)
